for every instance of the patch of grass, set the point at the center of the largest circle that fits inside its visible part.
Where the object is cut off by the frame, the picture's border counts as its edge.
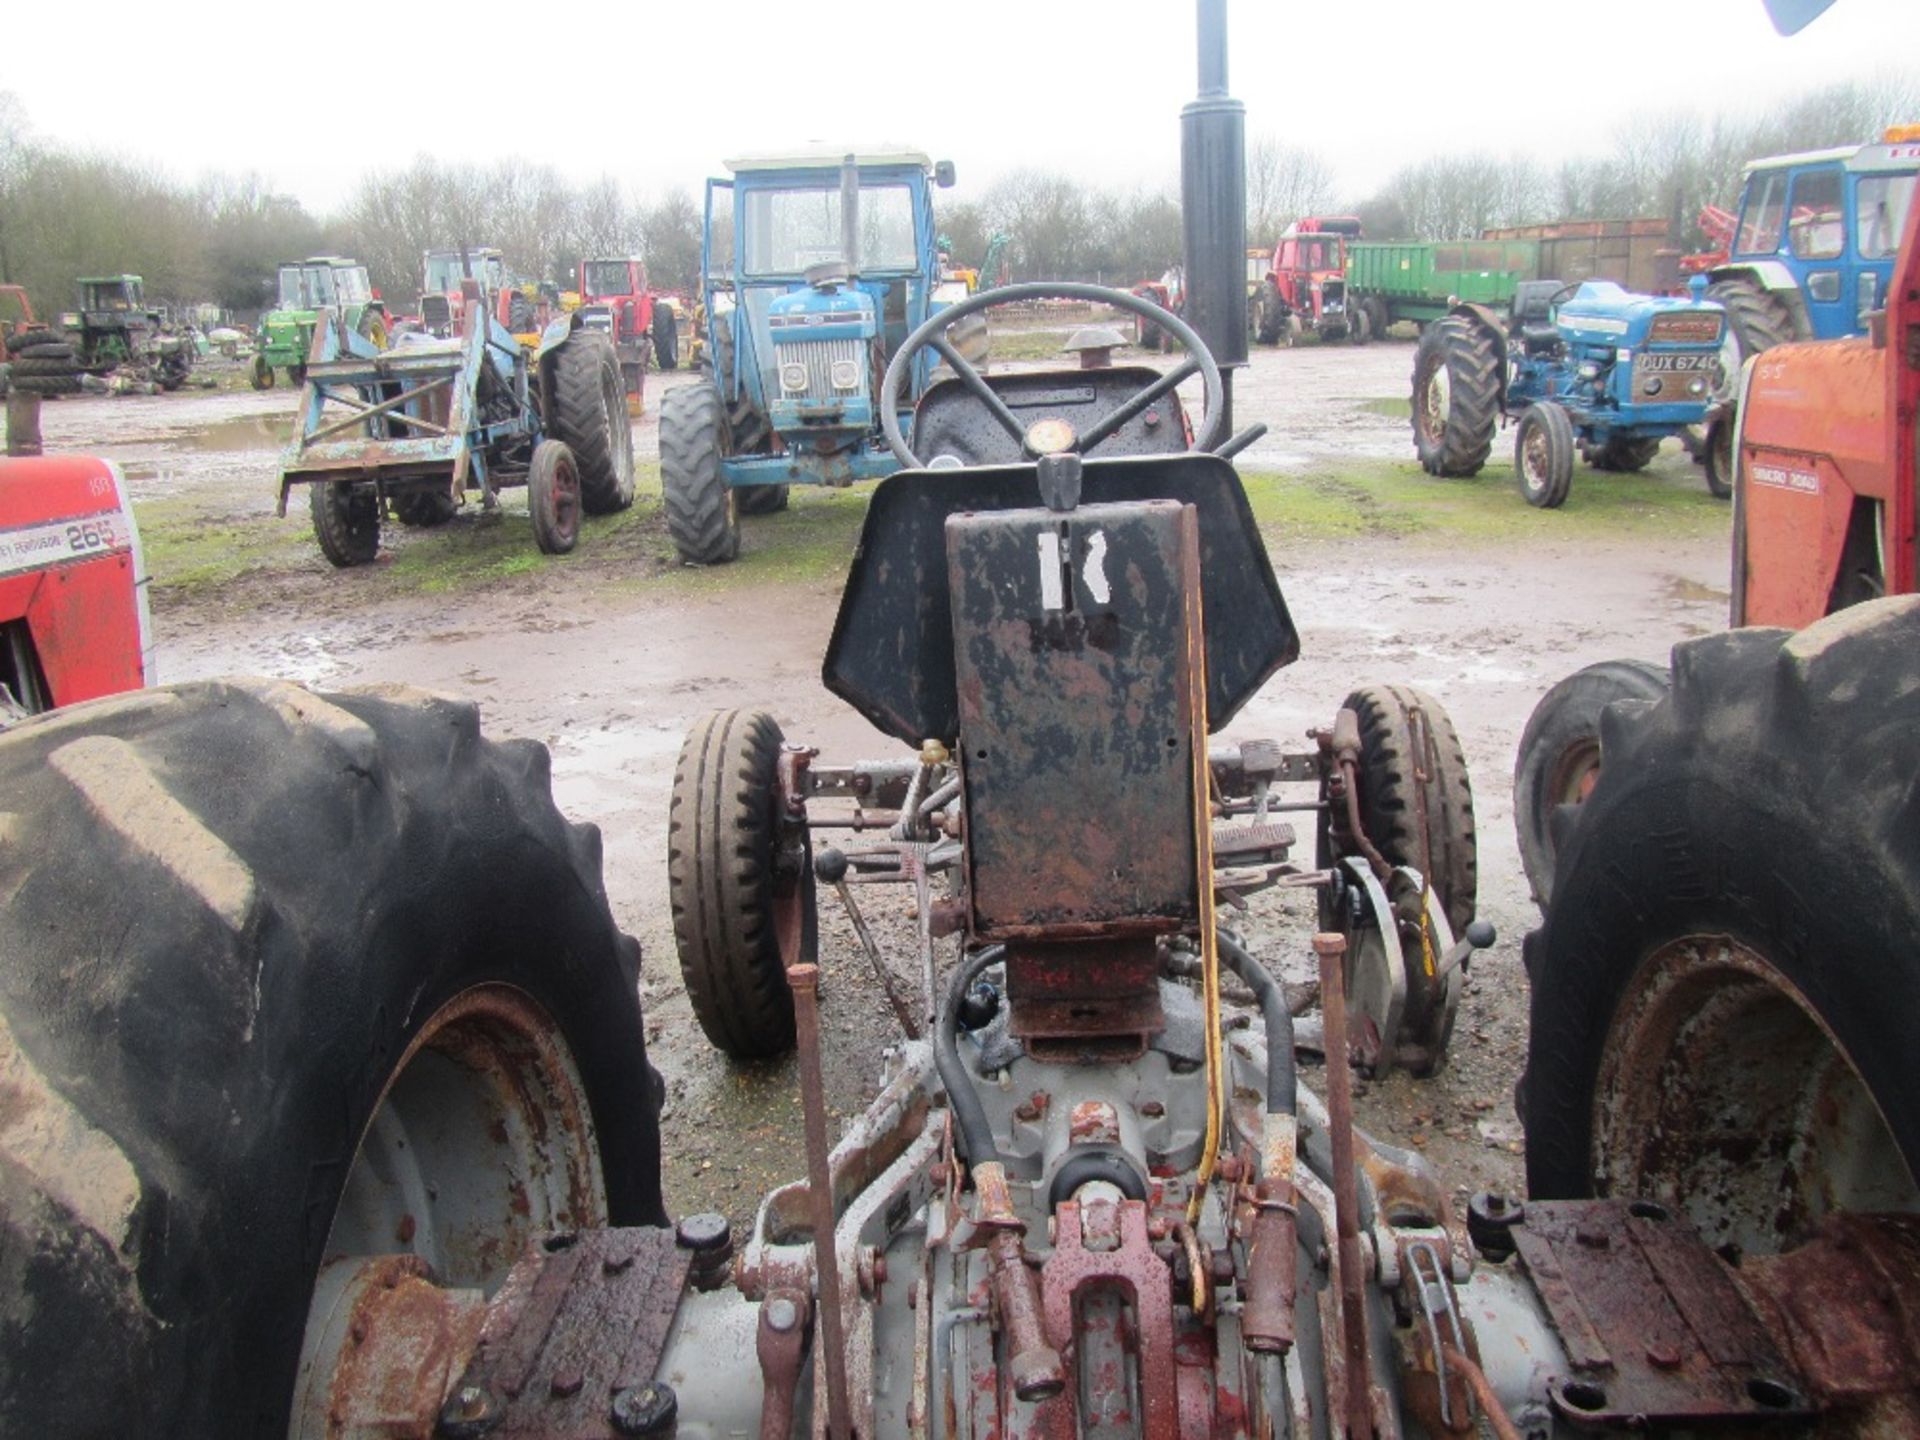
(1395, 499)
(193, 551)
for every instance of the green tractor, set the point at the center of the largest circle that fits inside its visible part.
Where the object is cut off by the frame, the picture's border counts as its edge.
(115, 329)
(309, 289)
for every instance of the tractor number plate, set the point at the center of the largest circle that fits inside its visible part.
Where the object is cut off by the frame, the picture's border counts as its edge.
(1679, 362)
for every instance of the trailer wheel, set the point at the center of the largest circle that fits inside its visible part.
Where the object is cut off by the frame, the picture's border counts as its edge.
(554, 497)
(346, 521)
(738, 884)
(1543, 455)
(1269, 314)
(590, 415)
(1456, 397)
(666, 337)
(1718, 458)
(261, 373)
(1724, 988)
(1377, 316)
(1359, 325)
(1622, 454)
(364, 996)
(1757, 320)
(702, 516)
(1391, 793)
(1558, 762)
(760, 499)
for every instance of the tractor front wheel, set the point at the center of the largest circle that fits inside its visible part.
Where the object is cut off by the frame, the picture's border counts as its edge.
(702, 516)
(366, 997)
(1543, 455)
(666, 337)
(1269, 314)
(346, 521)
(1456, 397)
(589, 401)
(1558, 762)
(261, 375)
(1359, 325)
(1724, 987)
(739, 882)
(554, 497)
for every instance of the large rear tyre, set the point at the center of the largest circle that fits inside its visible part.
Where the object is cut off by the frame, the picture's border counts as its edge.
(1405, 735)
(1558, 762)
(739, 881)
(702, 517)
(371, 1000)
(1543, 456)
(1725, 986)
(1269, 314)
(346, 522)
(1757, 320)
(1456, 397)
(553, 498)
(666, 337)
(589, 397)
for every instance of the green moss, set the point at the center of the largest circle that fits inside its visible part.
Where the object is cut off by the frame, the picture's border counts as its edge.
(192, 551)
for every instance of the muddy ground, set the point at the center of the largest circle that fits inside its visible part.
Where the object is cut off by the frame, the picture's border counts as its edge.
(606, 655)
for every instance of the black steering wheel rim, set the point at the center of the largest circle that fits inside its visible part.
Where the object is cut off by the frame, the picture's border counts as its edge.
(1199, 358)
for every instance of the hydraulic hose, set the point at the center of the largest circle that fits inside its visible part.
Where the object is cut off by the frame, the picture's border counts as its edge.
(969, 1115)
(1282, 1087)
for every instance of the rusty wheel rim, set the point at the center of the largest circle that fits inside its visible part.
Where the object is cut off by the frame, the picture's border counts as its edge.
(563, 499)
(1575, 773)
(1533, 461)
(1723, 1095)
(482, 1140)
(1436, 402)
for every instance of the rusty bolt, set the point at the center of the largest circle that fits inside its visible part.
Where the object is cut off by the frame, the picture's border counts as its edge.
(1153, 1109)
(647, 1409)
(879, 1269)
(937, 1173)
(781, 1314)
(566, 1383)
(1663, 1357)
(704, 1232)
(470, 1413)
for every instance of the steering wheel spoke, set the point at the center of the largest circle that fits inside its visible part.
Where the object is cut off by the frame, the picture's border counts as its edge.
(932, 334)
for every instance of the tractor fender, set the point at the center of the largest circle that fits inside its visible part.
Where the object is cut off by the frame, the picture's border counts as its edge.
(1773, 276)
(556, 334)
(1490, 320)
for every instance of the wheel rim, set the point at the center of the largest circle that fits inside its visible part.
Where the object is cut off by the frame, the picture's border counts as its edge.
(482, 1140)
(1722, 1094)
(563, 498)
(1436, 401)
(1533, 461)
(1575, 773)
(613, 393)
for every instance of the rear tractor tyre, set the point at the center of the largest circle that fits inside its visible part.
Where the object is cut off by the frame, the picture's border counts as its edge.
(1456, 397)
(666, 337)
(1558, 762)
(740, 884)
(1543, 455)
(702, 514)
(1269, 314)
(1724, 987)
(589, 402)
(346, 522)
(760, 499)
(1757, 320)
(260, 375)
(378, 975)
(554, 498)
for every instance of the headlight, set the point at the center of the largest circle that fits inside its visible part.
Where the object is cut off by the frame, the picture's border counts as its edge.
(845, 374)
(793, 377)
(1589, 370)
(1696, 387)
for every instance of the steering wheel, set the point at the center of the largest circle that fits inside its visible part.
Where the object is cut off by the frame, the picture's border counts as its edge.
(1050, 436)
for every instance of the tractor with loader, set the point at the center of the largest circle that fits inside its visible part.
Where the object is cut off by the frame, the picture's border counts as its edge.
(406, 433)
(308, 289)
(814, 268)
(1584, 369)
(356, 1133)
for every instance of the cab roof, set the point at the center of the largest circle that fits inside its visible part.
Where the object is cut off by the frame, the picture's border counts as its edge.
(1875, 155)
(829, 157)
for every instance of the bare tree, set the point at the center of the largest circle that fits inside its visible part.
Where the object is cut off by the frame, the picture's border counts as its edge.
(1284, 183)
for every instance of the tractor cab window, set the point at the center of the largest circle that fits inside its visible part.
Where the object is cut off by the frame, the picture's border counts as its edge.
(319, 280)
(354, 287)
(1760, 221)
(607, 277)
(785, 231)
(113, 295)
(293, 295)
(1816, 227)
(1880, 214)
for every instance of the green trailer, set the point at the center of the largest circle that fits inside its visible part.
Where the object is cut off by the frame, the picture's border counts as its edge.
(1421, 280)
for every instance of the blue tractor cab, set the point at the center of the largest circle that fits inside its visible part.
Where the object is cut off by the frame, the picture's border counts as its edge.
(815, 267)
(1813, 250)
(1585, 369)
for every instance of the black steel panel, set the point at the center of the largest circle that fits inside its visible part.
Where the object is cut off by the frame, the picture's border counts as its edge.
(1070, 641)
(950, 420)
(891, 656)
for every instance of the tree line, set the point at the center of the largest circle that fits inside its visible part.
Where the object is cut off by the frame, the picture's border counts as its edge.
(66, 213)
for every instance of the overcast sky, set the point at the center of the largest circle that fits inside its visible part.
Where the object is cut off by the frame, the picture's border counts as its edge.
(655, 94)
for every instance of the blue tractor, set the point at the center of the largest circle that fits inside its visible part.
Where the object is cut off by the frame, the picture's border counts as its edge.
(813, 275)
(1587, 368)
(1813, 249)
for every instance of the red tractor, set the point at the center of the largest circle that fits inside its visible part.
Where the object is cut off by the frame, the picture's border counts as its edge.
(73, 607)
(1306, 286)
(615, 297)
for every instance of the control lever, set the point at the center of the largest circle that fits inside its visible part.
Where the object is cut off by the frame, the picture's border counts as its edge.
(1479, 936)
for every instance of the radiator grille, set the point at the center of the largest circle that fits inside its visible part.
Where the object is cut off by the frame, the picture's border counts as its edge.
(818, 356)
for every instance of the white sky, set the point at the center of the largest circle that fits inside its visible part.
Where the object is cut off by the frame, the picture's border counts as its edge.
(656, 92)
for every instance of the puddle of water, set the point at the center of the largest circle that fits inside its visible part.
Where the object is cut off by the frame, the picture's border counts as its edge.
(1678, 587)
(1393, 406)
(243, 432)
